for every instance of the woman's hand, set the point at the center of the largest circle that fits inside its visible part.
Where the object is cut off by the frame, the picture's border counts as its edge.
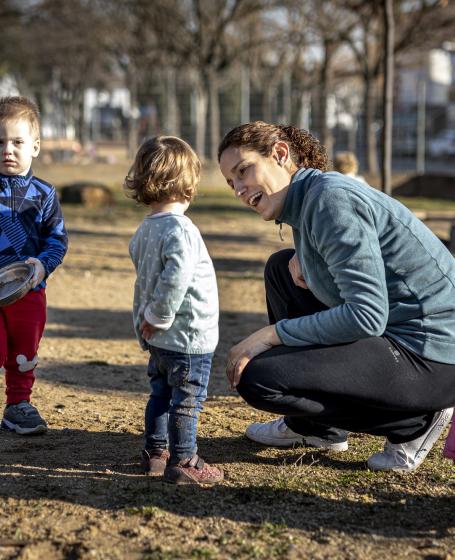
(296, 272)
(147, 330)
(240, 354)
(39, 273)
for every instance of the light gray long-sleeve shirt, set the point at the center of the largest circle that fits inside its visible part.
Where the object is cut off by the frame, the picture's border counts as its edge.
(176, 288)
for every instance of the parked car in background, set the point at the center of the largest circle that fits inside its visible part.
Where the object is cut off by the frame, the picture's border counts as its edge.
(442, 145)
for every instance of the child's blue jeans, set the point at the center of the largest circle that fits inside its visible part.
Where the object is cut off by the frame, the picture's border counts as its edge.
(178, 388)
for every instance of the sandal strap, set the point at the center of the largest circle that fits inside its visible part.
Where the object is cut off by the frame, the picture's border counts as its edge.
(196, 462)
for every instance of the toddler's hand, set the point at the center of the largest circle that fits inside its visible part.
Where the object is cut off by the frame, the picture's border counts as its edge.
(147, 330)
(39, 273)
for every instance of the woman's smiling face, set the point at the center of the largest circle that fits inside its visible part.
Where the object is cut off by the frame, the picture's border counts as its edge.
(261, 182)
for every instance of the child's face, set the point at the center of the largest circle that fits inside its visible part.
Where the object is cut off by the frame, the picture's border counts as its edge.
(18, 147)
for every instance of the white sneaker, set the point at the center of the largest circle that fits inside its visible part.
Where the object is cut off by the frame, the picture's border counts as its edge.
(276, 433)
(409, 455)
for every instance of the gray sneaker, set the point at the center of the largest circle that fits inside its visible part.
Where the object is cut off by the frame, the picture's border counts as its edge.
(409, 455)
(24, 419)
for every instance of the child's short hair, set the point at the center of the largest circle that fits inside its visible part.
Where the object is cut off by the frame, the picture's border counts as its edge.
(346, 162)
(165, 168)
(15, 108)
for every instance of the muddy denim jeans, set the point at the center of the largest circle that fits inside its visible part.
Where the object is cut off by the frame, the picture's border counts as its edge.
(178, 388)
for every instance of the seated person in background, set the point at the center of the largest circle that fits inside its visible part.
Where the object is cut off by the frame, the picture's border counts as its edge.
(347, 164)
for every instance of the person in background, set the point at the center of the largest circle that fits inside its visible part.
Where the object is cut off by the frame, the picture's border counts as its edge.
(175, 308)
(31, 230)
(347, 164)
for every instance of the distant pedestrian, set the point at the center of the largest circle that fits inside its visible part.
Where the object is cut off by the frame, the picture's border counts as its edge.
(31, 230)
(175, 308)
(347, 164)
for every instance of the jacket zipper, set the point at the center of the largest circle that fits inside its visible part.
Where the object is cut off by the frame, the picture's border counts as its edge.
(13, 200)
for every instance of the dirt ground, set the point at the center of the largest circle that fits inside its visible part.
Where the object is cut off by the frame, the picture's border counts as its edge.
(77, 493)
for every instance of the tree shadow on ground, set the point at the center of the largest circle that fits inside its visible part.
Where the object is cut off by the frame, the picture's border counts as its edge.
(232, 238)
(102, 373)
(89, 323)
(239, 267)
(97, 233)
(99, 469)
(93, 323)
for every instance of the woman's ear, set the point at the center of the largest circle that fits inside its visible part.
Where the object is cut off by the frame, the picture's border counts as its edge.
(280, 152)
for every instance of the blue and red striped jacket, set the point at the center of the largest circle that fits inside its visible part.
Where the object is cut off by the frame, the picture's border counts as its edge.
(31, 222)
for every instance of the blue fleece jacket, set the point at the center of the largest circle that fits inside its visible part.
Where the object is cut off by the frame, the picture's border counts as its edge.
(378, 268)
(31, 222)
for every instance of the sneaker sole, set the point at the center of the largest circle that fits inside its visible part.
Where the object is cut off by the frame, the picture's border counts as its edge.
(7, 425)
(432, 437)
(336, 447)
(275, 442)
(303, 441)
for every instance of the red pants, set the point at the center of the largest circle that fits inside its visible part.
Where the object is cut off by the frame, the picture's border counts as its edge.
(21, 328)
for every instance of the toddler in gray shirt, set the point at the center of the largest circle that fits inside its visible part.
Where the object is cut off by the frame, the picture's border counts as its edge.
(175, 310)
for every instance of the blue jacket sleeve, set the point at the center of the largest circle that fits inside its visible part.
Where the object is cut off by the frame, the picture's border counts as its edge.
(54, 239)
(342, 231)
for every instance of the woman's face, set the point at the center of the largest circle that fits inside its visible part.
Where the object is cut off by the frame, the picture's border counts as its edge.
(261, 182)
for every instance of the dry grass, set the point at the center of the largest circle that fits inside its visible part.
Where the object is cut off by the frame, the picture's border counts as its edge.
(77, 493)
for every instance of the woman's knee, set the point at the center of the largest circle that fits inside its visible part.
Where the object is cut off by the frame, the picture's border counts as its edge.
(253, 386)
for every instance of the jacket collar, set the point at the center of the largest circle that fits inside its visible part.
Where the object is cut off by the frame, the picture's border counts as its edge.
(16, 180)
(300, 183)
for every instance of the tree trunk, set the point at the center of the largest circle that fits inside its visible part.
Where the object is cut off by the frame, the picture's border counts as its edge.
(305, 110)
(286, 117)
(369, 132)
(81, 128)
(245, 95)
(267, 103)
(133, 115)
(387, 98)
(200, 119)
(212, 87)
(172, 124)
(325, 134)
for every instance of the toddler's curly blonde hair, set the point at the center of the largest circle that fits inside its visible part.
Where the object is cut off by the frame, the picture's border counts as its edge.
(165, 168)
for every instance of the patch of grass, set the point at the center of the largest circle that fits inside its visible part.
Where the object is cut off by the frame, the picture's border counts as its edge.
(158, 554)
(203, 553)
(423, 203)
(148, 512)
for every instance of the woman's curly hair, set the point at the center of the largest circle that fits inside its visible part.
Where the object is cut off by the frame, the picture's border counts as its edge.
(165, 168)
(305, 150)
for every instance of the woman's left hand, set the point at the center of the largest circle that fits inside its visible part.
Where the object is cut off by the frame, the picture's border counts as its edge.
(240, 354)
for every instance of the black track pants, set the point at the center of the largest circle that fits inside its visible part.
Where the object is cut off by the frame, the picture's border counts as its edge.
(373, 385)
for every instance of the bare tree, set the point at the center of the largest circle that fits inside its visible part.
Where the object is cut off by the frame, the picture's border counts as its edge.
(387, 103)
(67, 55)
(208, 43)
(418, 25)
(320, 27)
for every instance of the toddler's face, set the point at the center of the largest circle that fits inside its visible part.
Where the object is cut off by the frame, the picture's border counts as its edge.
(18, 147)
